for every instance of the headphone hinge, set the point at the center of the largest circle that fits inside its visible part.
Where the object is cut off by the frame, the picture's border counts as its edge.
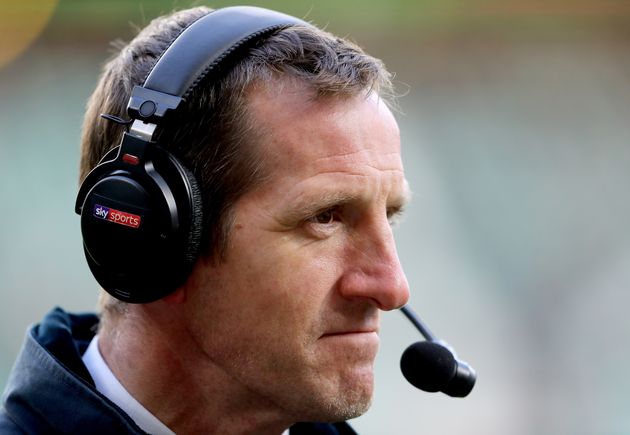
(142, 130)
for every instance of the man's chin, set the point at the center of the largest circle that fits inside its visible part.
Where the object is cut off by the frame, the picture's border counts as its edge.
(346, 410)
(348, 402)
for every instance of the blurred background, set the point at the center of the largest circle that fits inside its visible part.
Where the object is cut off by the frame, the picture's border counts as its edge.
(515, 121)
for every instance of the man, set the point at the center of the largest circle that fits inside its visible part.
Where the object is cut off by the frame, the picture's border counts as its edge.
(298, 162)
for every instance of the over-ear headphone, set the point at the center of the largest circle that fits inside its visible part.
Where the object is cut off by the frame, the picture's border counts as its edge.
(141, 209)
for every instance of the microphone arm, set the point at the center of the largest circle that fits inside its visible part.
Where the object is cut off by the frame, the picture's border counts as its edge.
(418, 323)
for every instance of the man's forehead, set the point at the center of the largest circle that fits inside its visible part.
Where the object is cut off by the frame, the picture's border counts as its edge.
(329, 151)
(297, 131)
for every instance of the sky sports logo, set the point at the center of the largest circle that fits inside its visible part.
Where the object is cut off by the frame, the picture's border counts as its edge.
(116, 216)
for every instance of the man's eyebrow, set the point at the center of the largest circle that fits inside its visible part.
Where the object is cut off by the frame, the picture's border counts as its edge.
(405, 197)
(310, 205)
(398, 202)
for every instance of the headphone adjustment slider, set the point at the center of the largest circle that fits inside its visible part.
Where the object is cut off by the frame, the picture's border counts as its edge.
(151, 106)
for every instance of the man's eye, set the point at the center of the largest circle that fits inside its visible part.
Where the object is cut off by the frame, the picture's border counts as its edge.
(324, 223)
(325, 217)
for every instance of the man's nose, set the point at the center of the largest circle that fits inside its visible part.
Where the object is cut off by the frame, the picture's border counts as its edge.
(374, 270)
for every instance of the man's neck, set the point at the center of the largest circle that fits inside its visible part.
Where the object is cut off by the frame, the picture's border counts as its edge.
(168, 373)
(107, 384)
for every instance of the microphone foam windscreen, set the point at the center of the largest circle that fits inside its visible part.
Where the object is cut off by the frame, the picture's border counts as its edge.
(428, 365)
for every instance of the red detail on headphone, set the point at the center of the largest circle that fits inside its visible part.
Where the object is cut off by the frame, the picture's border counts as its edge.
(130, 159)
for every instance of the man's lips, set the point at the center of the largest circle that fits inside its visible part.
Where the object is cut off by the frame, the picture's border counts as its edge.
(363, 339)
(341, 333)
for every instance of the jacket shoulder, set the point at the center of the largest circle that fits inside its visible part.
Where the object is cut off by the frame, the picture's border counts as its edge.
(8, 426)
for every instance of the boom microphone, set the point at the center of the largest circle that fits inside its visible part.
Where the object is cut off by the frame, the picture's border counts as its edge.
(432, 366)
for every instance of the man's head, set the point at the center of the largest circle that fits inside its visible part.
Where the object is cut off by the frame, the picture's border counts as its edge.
(298, 161)
(212, 135)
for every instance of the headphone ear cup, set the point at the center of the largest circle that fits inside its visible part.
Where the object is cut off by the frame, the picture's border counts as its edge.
(141, 222)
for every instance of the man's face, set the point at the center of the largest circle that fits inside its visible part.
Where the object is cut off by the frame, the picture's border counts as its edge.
(292, 314)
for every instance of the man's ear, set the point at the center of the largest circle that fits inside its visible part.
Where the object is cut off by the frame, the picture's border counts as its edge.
(177, 297)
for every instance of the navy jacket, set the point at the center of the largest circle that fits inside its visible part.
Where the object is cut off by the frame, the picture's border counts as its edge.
(50, 391)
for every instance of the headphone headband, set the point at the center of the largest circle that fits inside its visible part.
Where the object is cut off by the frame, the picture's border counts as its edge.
(197, 52)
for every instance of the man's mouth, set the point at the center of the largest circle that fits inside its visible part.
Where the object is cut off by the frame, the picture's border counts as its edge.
(350, 332)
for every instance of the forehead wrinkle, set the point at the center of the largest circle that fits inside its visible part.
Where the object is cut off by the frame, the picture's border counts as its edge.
(368, 168)
(360, 174)
(364, 151)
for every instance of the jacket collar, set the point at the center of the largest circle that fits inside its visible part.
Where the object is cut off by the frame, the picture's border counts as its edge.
(50, 390)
